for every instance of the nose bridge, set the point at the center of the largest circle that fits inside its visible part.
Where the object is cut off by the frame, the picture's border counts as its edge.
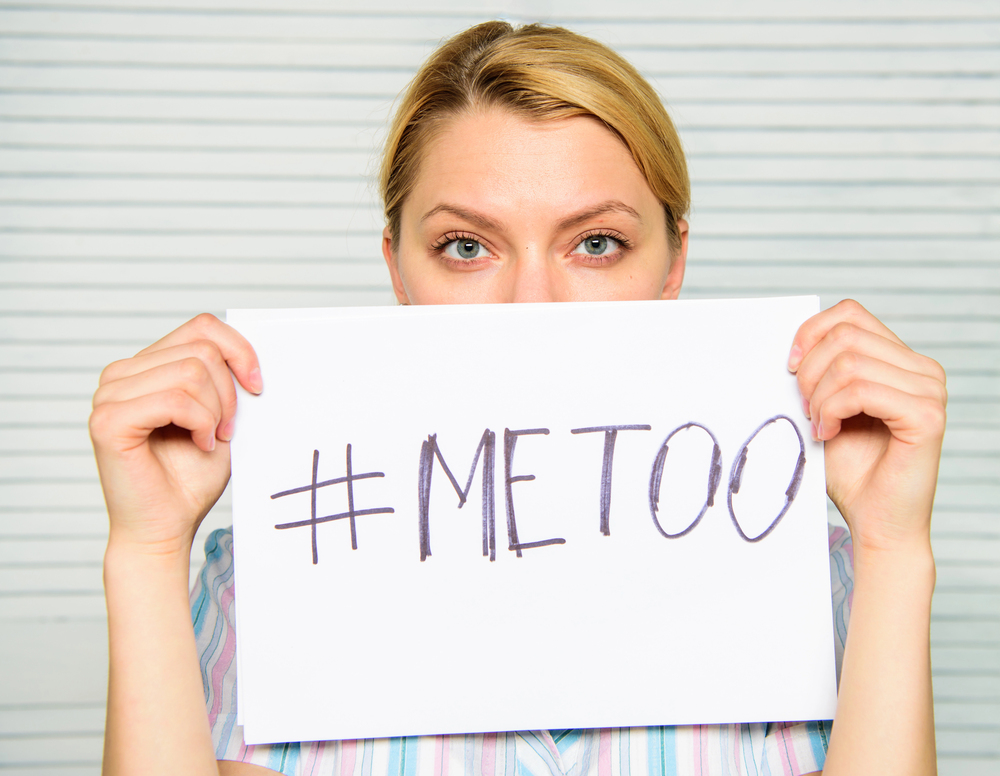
(534, 275)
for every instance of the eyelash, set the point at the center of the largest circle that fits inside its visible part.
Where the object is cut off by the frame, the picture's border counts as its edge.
(624, 245)
(450, 237)
(616, 236)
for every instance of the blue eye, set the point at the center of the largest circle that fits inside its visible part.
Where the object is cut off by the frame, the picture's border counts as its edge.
(597, 245)
(465, 248)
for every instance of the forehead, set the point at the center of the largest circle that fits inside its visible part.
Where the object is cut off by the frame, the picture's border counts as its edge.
(493, 158)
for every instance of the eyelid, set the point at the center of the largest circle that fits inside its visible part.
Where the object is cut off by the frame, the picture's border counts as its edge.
(624, 246)
(449, 237)
(614, 234)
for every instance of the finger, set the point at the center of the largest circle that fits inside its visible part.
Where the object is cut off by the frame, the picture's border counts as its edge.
(819, 325)
(848, 367)
(190, 375)
(846, 340)
(911, 419)
(236, 351)
(204, 351)
(126, 425)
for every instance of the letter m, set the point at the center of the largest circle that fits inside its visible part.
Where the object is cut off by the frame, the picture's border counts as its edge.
(429, 450)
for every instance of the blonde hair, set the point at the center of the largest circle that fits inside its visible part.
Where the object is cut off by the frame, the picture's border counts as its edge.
(542, 73)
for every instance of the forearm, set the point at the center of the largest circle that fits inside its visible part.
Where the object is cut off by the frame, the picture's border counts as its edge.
(156, 718)
(885, 714)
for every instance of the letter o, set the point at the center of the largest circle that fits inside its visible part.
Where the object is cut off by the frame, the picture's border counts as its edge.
(736, 477)
(714, 476)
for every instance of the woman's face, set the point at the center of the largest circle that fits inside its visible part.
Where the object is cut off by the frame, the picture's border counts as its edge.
(507, 210)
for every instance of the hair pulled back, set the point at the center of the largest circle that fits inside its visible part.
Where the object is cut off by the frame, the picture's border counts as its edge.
(541, 73)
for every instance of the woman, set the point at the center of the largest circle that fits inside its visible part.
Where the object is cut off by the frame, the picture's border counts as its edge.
(523, 165)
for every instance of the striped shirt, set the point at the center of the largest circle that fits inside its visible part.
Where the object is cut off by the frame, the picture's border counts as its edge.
(763, 749)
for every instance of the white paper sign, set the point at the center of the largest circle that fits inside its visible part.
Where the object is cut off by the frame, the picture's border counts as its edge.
(649, 545)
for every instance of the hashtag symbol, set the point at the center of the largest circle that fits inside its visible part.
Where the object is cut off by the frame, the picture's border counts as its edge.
(349, 515)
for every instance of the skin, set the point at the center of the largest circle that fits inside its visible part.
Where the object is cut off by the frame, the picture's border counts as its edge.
(519, 189)
(516, 196)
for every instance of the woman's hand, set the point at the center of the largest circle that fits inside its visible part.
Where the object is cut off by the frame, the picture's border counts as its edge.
(880, 407)
(161, 426)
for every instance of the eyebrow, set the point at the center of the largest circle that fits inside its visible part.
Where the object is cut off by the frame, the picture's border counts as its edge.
(485, 222)
(611, 206)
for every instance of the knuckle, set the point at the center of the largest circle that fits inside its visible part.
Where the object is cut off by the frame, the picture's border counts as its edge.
(205, 353)
(98, 399)
(937, 371)
(208, 351)
(175, 398)
(942, 395)
(851, 307)
(99, 422)
(846, 364)
(192, 370)
(934, 416)
(111, 372)
(859, 390)
(205, 321)
(843, 333)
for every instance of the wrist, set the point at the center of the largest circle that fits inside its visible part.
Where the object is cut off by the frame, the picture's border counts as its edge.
(903, 565)
(153, 535)
(129, 558)
(891, 537)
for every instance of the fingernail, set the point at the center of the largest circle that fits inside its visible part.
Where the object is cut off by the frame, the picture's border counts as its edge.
(794, 358)
(211, 444)
(819, 432)
(227, 431)
(805, 407)
(255, 380)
